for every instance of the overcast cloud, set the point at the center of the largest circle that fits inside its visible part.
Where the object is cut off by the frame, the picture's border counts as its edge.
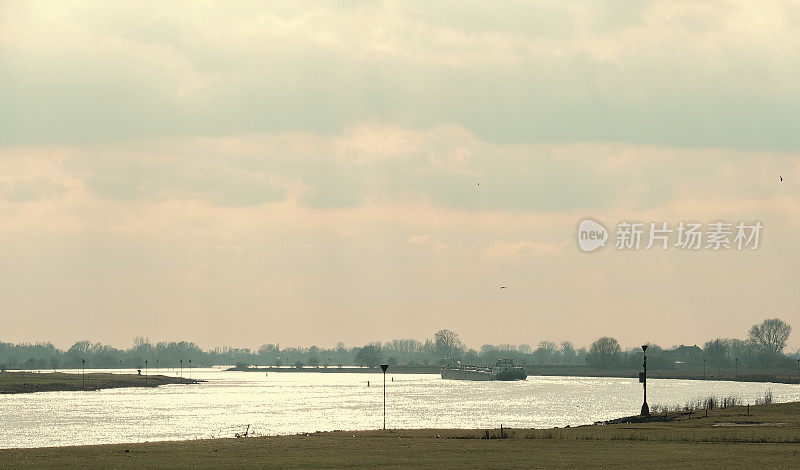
(370, 170)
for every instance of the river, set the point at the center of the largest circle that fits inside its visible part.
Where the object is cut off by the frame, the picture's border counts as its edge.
(293, 402)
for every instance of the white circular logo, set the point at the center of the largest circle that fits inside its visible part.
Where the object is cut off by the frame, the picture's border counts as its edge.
(591, 235)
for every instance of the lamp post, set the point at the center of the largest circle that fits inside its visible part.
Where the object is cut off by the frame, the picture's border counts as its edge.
(384, 367)
(643, 380)
(145, 371)
(736, 361)
(83, 371)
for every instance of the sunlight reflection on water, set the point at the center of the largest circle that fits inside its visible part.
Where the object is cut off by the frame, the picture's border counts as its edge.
(287, 403)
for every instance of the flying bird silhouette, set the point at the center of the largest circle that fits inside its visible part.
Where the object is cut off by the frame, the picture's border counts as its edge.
(781, 177)
(502, 287)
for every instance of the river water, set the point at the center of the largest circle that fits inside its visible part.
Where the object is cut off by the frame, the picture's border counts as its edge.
(291, 402)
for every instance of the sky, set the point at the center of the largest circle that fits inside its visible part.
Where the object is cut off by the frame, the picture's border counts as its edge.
(242, 173)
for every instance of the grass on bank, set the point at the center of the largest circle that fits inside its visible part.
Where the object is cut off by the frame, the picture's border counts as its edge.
(766, 438)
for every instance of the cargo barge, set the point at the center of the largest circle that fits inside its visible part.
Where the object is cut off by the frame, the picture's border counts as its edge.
(503, 369)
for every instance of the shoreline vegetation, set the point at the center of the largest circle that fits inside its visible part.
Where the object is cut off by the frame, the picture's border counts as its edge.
(764, 350)
(761, 356)
(31, 382)
(554, 370)
(758, 436)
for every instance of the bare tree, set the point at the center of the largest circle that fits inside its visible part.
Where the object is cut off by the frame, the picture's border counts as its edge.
(567, 352)
(716, 351)
(545, 353)
(370, 356)
(770, 338)
(604, 353)
(142, 344)
(448, 344)
(739, 351)
(524, 349)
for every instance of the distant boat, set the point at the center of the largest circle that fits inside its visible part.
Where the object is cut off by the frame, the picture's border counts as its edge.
(503, 369)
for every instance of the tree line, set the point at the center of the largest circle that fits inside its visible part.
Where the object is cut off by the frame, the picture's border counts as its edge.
(763, 348)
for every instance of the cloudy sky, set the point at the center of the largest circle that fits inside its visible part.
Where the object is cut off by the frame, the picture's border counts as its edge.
(240, 173)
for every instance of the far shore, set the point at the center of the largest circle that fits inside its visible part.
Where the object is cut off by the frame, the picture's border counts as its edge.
(31, 382)
(557, 370)
(763, 436)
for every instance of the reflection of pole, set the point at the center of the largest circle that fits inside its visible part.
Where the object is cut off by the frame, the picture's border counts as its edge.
(645, 408)
(737, 368)
(704, 368)
(384, 367)
(384, 400)
(645, 379)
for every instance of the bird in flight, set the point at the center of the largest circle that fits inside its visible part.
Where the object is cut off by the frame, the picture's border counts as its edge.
(781, 177)
(502, 287)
